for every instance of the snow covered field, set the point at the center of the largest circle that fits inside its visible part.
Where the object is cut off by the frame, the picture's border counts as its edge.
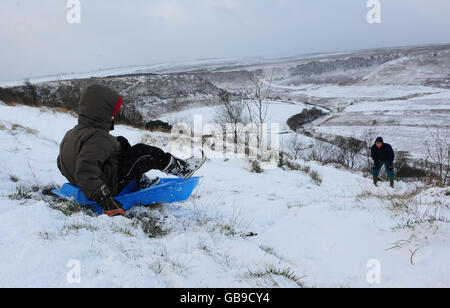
(280, 228)
(277, 113)
(403, 115)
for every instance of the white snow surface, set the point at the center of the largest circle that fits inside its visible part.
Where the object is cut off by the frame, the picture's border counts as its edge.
(323, 234)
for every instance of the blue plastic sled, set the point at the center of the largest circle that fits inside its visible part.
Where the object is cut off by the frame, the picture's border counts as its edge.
(167, 191)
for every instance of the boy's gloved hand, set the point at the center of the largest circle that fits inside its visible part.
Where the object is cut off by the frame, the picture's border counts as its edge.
(375, 165)
(391, 166)
(124, 144)
(110, 206)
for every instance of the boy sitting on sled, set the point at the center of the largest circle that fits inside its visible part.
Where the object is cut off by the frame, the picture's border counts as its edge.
(102, 165)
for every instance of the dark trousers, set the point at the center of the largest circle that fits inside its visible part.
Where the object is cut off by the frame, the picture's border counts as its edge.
(376, 169)
(138, 160)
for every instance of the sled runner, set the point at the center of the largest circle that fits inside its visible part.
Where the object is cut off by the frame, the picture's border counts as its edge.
(167, 191)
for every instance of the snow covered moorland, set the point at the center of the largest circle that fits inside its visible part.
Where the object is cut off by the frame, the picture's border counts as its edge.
(302, 225)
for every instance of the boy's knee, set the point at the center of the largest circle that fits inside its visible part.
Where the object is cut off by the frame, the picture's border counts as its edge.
(139, 147)
(147, 150)
(156, 153)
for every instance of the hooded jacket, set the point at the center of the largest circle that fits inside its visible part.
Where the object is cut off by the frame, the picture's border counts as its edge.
(88, 153)
(385, 153)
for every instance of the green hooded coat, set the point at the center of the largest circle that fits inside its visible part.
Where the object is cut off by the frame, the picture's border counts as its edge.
(88, 153)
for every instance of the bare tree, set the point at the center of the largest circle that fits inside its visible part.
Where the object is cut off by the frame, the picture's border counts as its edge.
(437, 146)
(233, 113)
(323, 152)
(295, 146)
(349, 149)
(368, 138)
(255, 95)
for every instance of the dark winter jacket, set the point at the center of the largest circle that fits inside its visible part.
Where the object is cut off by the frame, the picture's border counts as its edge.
(88, 153)
(385, 153)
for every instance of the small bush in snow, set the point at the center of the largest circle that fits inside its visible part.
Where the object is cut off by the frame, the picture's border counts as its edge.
(271, 270)
(14, 178)
(21, 193)
(315, 176)
(151, 226)
(122, 229)
(69, 208)
(413, 223)
(256, 167)
(287, 164)
(46, 236)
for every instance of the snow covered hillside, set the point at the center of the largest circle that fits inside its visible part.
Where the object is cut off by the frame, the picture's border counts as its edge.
(317, 226)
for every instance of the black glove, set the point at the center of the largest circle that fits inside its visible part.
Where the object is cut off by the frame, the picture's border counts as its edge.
(124, 144)
(391, 166)
(110, 206)
(375, 165)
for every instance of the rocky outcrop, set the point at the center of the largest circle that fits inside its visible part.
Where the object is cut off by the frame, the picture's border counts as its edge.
(145, 96)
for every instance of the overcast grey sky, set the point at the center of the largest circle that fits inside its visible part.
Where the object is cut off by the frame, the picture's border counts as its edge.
(37, 40)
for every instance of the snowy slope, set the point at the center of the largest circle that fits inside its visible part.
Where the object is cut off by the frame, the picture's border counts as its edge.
(322, 235)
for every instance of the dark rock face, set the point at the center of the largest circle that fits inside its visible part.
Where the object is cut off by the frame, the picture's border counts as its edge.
(145, 96)
(308, 115)
(158, 125)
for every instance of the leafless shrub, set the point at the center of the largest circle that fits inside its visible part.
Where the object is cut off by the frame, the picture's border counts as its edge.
(437, 146)
(323, 152)
(368, 138)
(255, 98)
(349, 149)
(234, 113)
(296, 147)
